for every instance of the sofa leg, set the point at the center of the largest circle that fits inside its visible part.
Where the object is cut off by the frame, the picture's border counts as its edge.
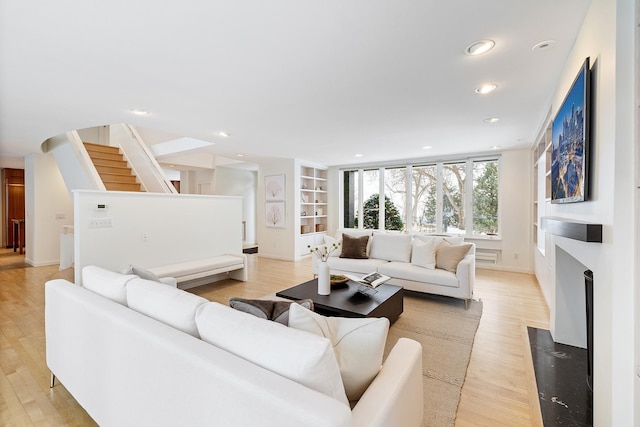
(52, 380)
(466, 304)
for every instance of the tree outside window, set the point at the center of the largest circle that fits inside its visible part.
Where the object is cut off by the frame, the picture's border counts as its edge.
(423, 192)
(371, 216)
(453, 194)
(485, 197)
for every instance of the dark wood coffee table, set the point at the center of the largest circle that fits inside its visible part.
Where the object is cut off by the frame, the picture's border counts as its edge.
(346, 301)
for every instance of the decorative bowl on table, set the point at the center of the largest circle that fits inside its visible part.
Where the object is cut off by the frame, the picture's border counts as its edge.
(338, 279)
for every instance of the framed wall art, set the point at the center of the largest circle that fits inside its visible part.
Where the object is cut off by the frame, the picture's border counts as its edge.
(274, 188)
(274, 214)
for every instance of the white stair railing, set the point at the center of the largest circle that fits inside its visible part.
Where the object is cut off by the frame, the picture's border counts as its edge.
(140, 159)
(74, 163)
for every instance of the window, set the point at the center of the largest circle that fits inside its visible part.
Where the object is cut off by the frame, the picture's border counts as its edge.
(453, 198)
(485, 197)
(395, 198)
(423, 193)
(350, 198)
(446, 197)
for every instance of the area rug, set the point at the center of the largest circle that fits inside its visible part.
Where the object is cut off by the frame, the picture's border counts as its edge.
(446, 331)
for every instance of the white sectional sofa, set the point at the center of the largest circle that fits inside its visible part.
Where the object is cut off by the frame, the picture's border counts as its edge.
(411, 261)
(134, 352)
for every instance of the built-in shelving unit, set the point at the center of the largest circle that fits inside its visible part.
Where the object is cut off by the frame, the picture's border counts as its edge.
(541, 185)
(313, 209)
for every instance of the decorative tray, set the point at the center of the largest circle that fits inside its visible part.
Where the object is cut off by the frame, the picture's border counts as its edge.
(338, 280)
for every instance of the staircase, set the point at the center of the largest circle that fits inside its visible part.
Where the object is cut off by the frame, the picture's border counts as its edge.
(112, 168)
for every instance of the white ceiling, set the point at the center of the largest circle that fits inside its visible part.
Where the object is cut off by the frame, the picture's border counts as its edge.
(314, 80)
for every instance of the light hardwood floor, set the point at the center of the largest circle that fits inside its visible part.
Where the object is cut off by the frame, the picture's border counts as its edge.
(499, 389)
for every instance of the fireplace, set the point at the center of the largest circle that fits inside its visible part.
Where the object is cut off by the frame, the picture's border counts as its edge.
(576, 253)
(588, 292)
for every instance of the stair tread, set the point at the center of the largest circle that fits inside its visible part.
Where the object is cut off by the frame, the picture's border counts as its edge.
(114, 170)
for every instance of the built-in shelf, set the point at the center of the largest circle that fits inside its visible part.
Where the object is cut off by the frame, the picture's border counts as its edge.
(576, 230)
(313, 208)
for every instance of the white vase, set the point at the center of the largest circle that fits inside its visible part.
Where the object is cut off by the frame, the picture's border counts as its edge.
(324, 279)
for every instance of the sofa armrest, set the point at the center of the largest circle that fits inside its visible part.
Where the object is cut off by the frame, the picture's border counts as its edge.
(395, 397)
(466, 274)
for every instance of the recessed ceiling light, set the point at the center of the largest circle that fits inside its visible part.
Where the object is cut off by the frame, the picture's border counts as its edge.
(480, 47)
(547, 44)
(138, 111)
(239, 155)
(223, 134)
(359, 155)
(496, 147)
(491, 120)
(427, 147)
(486, 88)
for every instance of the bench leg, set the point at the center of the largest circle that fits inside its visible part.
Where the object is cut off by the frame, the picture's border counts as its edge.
(240, 274)
(52, 380)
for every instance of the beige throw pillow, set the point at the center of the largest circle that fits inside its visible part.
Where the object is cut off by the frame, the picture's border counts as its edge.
(448, 256)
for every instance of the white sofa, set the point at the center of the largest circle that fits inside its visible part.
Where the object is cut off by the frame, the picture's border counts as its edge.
(405, 258)
(129, 351)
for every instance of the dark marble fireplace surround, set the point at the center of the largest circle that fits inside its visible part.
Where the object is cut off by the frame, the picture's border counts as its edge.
(561, 370)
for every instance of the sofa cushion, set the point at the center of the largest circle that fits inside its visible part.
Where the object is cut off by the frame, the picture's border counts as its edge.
(106, 283)
(168, 305)
(363, 266)
(448, 256)
(408, 271)
(358, 344)
(354, 247)
(302, 357)
(333, 242)
(392, 247)
(278, 311)
(423, 253)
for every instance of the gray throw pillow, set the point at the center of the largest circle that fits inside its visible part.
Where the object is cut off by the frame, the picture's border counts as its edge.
(143, 274)
(354, 247)
(278, 311)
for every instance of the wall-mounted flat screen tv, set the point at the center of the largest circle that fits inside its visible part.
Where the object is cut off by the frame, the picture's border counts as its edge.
(570, 142)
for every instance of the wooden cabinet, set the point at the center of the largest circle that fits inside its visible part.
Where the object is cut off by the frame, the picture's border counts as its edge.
(313, 207)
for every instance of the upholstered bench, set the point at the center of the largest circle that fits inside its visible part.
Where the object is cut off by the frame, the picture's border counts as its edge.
(190, 273)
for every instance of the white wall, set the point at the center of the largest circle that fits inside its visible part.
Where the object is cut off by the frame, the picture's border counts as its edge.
(607, 38)
(637, 213)
(515, 214)
(277, 242)
(240, 182)
(46, 197)
(150, 229)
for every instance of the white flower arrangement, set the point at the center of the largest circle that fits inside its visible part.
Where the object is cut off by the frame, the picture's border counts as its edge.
(323, 252)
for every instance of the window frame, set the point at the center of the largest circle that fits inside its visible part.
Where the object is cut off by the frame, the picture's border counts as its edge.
(440, 165)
